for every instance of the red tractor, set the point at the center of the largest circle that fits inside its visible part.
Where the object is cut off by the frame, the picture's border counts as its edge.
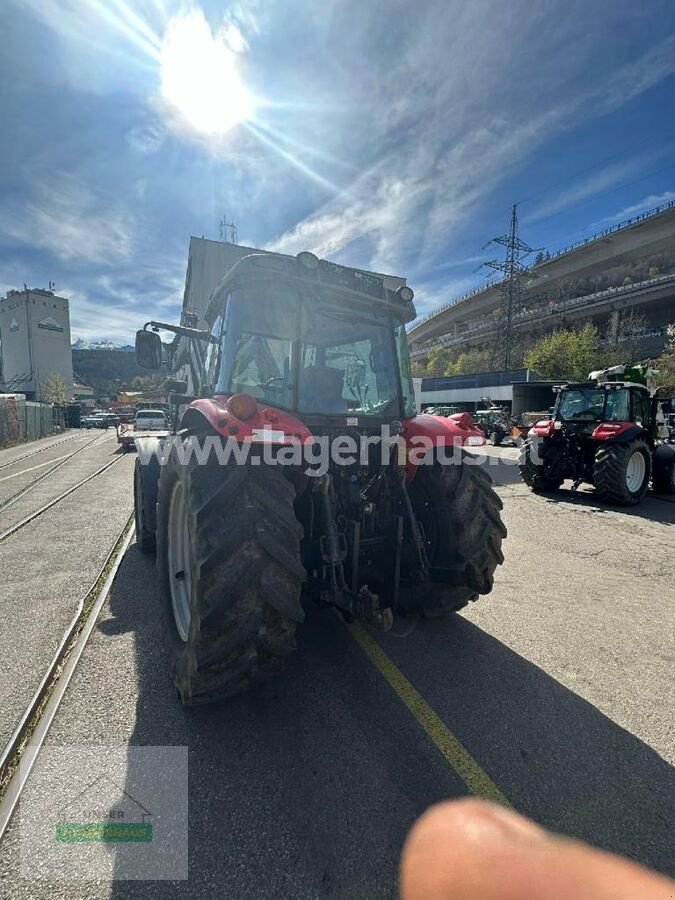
(607, 432)
(300, 355)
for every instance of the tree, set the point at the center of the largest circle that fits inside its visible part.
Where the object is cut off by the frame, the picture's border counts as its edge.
(53, 389)
(439, 360)
(471, 361)
(566, 354)
(631, 330)
(665, 365)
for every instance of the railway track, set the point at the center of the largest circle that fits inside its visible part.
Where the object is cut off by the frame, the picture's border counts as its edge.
(31, 731)
(47, 506)
(35, 452)
(59, 462)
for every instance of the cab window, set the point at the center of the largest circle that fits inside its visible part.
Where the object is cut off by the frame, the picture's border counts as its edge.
(212, 360)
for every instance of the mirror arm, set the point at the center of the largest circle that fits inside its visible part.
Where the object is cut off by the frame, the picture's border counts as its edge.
(183, 331)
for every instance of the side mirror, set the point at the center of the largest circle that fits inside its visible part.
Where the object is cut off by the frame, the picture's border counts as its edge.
(176, 387)
(148, 349)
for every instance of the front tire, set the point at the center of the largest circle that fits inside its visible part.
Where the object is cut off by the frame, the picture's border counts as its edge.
(229, 559)
(460, 514)
(621, 472)
(540, 478)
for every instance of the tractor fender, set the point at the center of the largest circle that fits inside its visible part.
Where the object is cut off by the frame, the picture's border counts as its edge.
(266, 425)
(458, 429)
(425, 432)
(620, 433)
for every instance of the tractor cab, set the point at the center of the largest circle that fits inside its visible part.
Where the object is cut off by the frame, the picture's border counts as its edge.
(586, 408)
(309, 338)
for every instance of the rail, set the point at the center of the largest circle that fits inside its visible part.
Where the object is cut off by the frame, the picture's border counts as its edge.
(58, 463)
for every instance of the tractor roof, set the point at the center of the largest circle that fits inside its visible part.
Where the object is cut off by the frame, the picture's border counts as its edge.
(352, 284)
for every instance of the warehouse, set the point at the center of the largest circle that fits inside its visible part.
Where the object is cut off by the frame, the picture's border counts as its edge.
(520, 390)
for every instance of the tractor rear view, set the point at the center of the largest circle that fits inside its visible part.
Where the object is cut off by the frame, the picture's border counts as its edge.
(300, 391)
(606, 432)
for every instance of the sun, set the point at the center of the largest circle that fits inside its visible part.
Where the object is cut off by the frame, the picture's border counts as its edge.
(199, 76)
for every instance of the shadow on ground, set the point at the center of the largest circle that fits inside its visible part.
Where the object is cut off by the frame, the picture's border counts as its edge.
(308, 787)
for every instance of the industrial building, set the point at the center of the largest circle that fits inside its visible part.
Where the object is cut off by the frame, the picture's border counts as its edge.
(519, 390)
(35, 343)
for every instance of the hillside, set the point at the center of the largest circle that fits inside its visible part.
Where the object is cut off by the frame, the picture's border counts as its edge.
(109, 371)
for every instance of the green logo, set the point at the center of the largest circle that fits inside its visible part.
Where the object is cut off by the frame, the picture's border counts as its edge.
(103, 832)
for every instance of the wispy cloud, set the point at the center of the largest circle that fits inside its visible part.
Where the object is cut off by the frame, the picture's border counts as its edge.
(635, 209)
(571, 195)
(67, 219)
(450, 151)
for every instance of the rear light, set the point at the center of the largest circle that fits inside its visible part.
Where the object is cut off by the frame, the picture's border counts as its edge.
(243, 406)
(607, 429)
(474, 441)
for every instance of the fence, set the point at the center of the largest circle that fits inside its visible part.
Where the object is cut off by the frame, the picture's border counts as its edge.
(25, 420)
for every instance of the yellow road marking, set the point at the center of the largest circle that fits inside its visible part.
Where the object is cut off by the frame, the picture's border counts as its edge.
(32, 469)
(455, 754)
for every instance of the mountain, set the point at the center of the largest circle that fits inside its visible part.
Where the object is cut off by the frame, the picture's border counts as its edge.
(110, 371)
(100, 344)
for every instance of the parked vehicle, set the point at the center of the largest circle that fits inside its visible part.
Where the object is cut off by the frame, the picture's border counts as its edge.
(495, 423)
(150, 420)
(605, 432)
(147, 423)
(310, 351)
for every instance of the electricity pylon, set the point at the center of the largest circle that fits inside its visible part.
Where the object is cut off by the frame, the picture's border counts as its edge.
(514, 270)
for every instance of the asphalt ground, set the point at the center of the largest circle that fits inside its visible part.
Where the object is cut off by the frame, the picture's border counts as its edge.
(555, 691)
(50, 564)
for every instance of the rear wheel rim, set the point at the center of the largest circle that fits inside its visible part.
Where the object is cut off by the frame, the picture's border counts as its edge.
(635, 472)
(180, 561)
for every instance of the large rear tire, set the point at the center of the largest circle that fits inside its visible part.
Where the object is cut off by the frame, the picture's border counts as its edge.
(228, 552)
(541, 476)
(460, 514)
(621, 472)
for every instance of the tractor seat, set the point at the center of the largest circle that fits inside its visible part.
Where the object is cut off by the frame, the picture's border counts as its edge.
(321, 390)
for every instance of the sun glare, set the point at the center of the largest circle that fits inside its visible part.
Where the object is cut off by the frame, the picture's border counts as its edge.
(199, 75)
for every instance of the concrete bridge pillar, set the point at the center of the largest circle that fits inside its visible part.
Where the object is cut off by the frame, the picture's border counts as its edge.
(614, 322)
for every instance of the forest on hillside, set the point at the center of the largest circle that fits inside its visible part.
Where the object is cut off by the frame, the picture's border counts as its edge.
(111, 371)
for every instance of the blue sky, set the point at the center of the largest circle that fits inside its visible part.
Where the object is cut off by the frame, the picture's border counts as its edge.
(389, 135)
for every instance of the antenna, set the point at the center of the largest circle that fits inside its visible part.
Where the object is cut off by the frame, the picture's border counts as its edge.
(514, 270)
(223, 226)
